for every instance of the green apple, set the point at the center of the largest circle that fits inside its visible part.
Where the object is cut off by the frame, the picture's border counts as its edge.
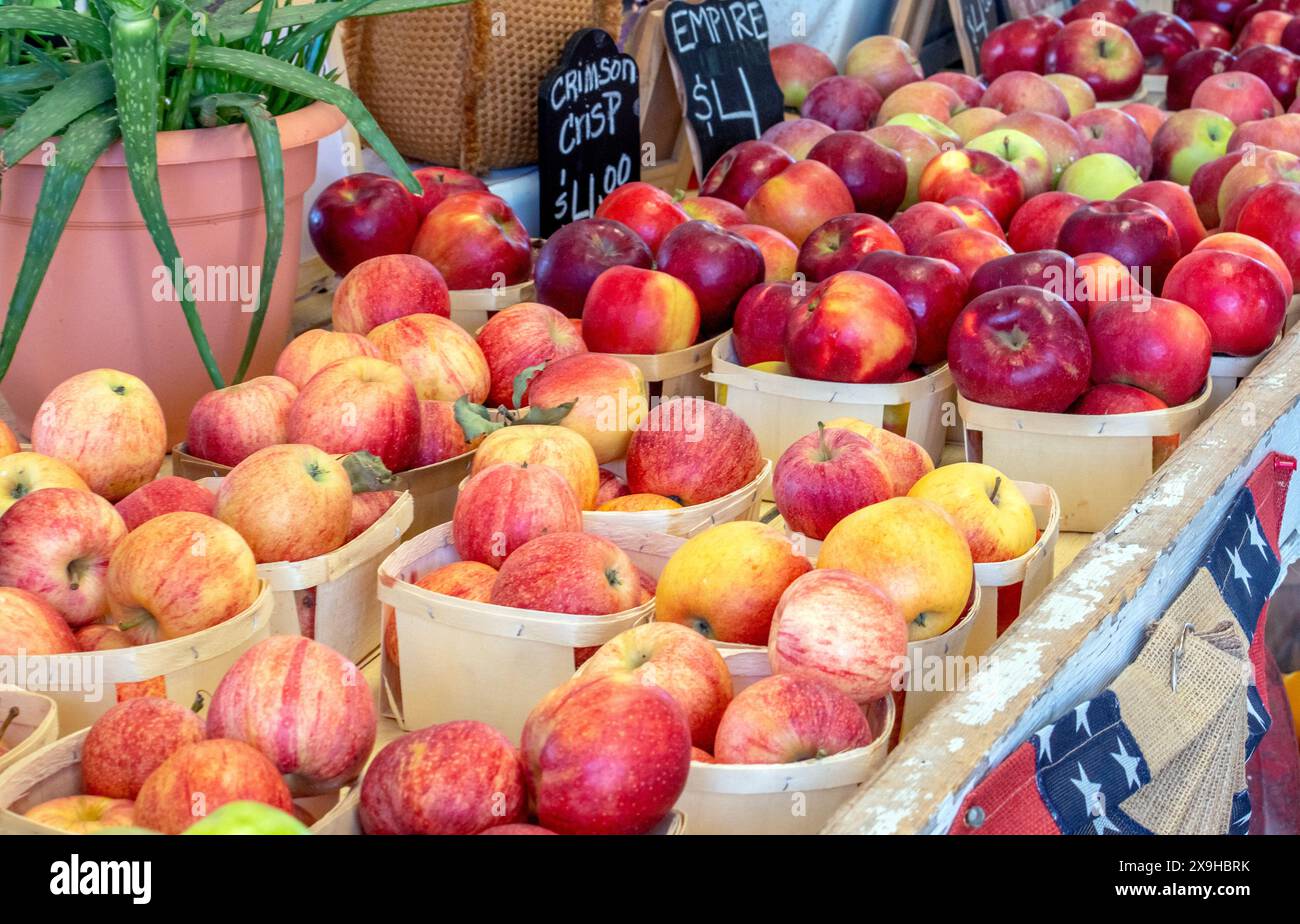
(1187, 140)
(1099, 176)
(1022, 152)
(247, 817)
(929, 126)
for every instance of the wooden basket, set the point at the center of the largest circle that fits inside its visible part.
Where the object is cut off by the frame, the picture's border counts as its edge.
(1226, 373)
(345, 820)
(457, 85)
(432, 487)
(779, 798)
(54, 771)
(783, 408)
(744, 503)
(333, 598)
(178, 668)
(681, 373)
(460, 659)
(1096, 463)
(472, 308)
(36, 725)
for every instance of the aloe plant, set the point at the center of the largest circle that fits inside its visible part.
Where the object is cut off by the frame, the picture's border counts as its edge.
(128, 69)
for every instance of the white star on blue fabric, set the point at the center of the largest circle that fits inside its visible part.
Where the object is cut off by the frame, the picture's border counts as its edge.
(1088, 789)
(1044, 736)
(1101, 824)
(1129, 763)
(1239, 570)
(1250, 710)
(1081, 717)
(1257, 540)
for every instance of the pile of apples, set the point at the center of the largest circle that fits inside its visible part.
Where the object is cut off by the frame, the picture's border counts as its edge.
(290, 718)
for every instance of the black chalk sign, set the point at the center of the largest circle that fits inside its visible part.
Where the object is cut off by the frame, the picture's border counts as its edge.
(724, 75)
(974, 20)
(588, 128)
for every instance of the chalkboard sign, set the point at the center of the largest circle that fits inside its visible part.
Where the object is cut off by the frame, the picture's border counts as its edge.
(974, 20)
(724, 76)
(588, 128)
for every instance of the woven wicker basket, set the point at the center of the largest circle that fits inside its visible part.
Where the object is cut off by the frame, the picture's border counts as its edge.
(457, 85)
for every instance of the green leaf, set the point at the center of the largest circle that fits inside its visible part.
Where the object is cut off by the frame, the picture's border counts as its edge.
(72, 26)
(324, 23)
(546, 415)
(367, 473)
(84, 141)
(62, 104)
(475, 420)
(232, 27)
(521, 382)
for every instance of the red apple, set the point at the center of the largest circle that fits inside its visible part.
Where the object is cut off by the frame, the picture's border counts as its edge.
(303, 705)
(885, 62)
(1100, 278)
(759, 332)
(974, 214)
(521, 336)
(1109, 131)
(969, 89)
(440, 183)
(568, 572)
(632, 310)
(967, 248)
(984, 177)
(1244, 244)
(1240, 96)
(1136, 233)
(843, 103)
(308, 353)
(1212, 35)
(739, 172)
(716, 211)
(675, 659)
(586, 778)
(875, 176)
(29, 625)
(718, 265)
(361, 403)
(1262, 24)
(383, 288)
(1019, 45)
(1281, 133)
(841, 243)
(131, 740)
(1277, 67)
(476, 242)
(838, 628)
(1101, 53)
(1025, 91)
(1176, 202)
(934, 292)
(923, 222)
(787, 718)
(1163, 39)
(1148, 116)
(692, 449)
(228, 425)
(611, 486)
(367, 508)
(1192, 70)
(796, 136)
(164, 495)
(290, 502)
(199, 778)
(851, 328)
(608, 397)
(923, 97)
(1061, 142)
(361, 216)
(505, 505)
(798, 68)
(1042, 269)
(1205, 185)
(1020, 347)
(1271, 214)
(649, 211)
(799, 199)
(825, 476)
(916, 149)
(1290, 39)
(441, 437)
(1240, 299)
(1119, 12)
(577, 253)
(780, 255)
(1038, 222)
(454, 778)
(1222, 12)
(1160, 346)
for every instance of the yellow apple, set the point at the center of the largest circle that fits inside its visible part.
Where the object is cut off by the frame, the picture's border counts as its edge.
(630, 503)
(83, 814)
(911, 550)
(906, 461)
(8, 442)
(21, 473)
(609, 396)
(539, 444)
(988, 508)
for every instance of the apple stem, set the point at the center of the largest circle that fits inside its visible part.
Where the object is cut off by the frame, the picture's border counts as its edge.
(9, 720)
(822, 451)
(200, 700)
(997, 486)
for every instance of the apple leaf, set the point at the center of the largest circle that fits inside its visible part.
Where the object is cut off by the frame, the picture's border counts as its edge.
(367, 472)
(474, 419)
(521, 382)
(547, 415)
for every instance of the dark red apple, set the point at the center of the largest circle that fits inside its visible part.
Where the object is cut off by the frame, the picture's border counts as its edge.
(441, 182)
(1190, 72)
(361, 216)
(1155, 344)
(968, 248)
(875, 176)
(1020, 347)
(739, 172)
(1291, 36)
(1038, 222)
(577, 253)
(1051, 270)
(1223, 12)
(1110, 131)
(718, 265)
(844, 103)
(1163, 38)
(933, 290)
(851, 328)
(1205, 185)
(1277, 67)
(1120, 12)
(839, 244)
(923, 222)
(758, 329)
(1241, 300)
(646, 209)
(1211, 34)
(1176, 202)
(1019, 45)
(1271, 214)
(1137, 234)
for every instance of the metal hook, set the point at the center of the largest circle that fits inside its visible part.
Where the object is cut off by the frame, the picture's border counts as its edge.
(1177, 657)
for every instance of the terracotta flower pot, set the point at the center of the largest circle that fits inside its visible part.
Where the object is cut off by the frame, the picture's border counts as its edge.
(102, 302)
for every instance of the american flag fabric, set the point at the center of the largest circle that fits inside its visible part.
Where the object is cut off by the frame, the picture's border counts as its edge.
(1127, 761)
